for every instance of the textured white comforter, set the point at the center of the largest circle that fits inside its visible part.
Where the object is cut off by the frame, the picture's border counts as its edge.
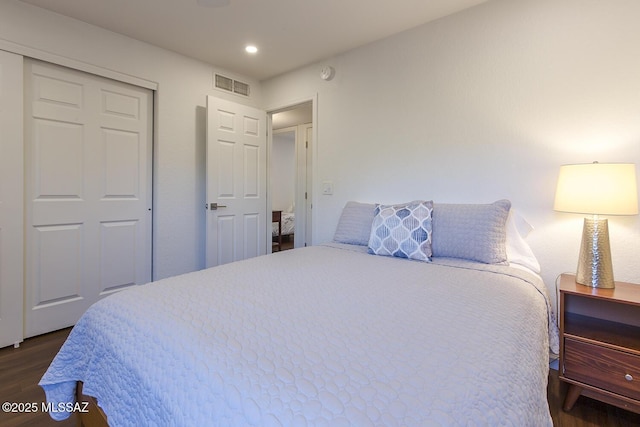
(343, 338)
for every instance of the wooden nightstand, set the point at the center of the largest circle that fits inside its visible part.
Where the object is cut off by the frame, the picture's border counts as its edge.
(600, 343)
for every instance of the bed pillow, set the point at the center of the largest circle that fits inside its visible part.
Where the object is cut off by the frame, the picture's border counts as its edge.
(518, 250)
(354, 226)
(520, 223)
(402, 231)
(475, 232)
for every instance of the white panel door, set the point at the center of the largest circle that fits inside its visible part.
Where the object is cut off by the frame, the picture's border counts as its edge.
(236, 182)
(11, 200)
(88, 143)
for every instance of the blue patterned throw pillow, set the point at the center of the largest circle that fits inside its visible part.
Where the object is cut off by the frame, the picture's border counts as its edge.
(402, 231)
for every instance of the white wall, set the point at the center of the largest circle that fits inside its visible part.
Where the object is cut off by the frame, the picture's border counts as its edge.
(180, 118)
(483, 105)
(283, 170)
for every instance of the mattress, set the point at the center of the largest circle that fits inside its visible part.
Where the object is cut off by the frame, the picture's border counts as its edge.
(288, 224)
(344, 338)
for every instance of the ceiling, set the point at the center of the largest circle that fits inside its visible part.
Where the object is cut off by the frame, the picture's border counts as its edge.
(288, 33)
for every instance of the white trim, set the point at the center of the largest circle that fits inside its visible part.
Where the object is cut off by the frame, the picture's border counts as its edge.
(284, 130)
(42, 55)
(314, 167)
(11, 200)
(268, 201)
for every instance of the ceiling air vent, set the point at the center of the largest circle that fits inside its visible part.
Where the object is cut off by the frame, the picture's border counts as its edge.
(241, 88)
(224, 83)
(231, 85)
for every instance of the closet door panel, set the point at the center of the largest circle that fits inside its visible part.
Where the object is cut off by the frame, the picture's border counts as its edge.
(88, 192)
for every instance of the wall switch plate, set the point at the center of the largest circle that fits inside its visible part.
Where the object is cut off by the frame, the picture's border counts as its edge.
(327, 188)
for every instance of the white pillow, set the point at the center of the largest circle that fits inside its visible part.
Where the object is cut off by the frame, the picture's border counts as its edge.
(518, 250)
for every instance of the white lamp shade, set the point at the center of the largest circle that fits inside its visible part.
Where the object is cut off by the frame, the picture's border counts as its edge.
(598, 189)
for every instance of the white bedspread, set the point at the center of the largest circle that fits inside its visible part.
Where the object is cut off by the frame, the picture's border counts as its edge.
(343, 338)
(288, 224)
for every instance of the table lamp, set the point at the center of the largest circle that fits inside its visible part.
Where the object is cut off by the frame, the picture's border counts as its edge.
(597, 189)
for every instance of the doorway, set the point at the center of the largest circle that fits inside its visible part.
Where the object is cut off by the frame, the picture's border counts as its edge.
(291, 177)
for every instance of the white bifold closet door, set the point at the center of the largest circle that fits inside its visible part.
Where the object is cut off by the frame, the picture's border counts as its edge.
(88, 150)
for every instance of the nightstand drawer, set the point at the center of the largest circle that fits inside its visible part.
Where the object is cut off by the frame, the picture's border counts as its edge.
(602, 367)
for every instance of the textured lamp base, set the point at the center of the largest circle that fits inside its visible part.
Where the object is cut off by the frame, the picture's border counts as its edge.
(594, 265)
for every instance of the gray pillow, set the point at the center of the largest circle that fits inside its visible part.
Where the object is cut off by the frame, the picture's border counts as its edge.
(471, 231)
(354, 227)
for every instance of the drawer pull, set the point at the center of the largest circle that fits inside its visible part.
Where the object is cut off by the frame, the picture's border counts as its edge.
(628, 377)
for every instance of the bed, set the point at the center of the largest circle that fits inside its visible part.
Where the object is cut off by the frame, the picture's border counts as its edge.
(372, 340)
(283, 225)
(287, 227)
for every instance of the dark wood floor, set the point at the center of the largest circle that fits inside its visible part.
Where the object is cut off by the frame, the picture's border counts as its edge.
(287, 243)
(22, 368)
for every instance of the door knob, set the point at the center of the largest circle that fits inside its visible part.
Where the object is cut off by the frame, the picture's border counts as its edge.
(215, 206)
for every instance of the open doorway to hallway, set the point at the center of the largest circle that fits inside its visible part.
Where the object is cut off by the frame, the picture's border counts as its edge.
(290, 176)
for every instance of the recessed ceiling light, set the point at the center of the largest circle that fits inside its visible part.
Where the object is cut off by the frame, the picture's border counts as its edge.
(251, 49)
(214, 3)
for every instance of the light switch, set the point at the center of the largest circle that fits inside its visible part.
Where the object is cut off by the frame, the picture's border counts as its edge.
(327, 188)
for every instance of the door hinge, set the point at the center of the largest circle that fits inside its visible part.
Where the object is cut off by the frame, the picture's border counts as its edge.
(306, 144)
(305, 195)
